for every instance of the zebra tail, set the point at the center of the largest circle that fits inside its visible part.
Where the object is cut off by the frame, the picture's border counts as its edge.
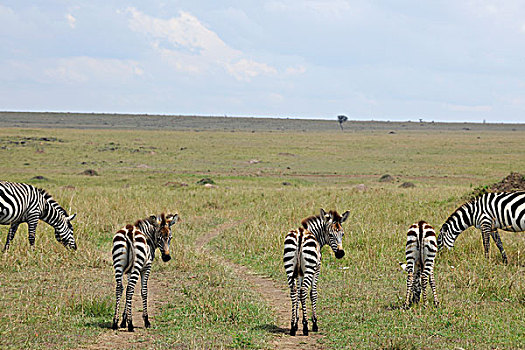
(130, 242)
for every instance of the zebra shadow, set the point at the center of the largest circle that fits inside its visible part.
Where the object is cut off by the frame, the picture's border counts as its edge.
(100, 324)
(271, 328)
(393, 306)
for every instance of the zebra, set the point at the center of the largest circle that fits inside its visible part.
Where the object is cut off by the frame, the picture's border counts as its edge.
(488, 212)
(421, 250)
(133, 253)
(302, 260)
(20, 202)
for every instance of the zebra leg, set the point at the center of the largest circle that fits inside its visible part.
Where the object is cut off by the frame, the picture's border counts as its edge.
(424, 281)
(410, 281)
(433, 286)
(11, 234)
(303, 291)
(302, 297)
(133, 278)
(124, 313)
(293, 296)
(313, 298)
(416, 286)
(144, 292)
(495, 236)
(485, 235)
(118, 292)
(31, 229)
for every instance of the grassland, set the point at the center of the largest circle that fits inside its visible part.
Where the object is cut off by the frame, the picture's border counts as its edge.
(54, 298)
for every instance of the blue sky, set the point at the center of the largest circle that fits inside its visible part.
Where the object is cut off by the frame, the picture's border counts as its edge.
(381, 60)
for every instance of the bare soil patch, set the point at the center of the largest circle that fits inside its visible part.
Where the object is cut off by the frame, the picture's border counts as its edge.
(276, 295)
(511, 183)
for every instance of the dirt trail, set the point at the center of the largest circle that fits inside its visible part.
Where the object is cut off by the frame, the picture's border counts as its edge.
(276, 295)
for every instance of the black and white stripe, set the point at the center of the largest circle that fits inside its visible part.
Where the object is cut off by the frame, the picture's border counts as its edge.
(302, 260)
(133, 252)
(21, 202)
(421, 250)
(488, 212)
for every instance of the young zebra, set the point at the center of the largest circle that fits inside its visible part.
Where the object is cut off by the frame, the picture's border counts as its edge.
(302, 260)
(421, 249)
(133, 252)
(21, 202)
(488, 212)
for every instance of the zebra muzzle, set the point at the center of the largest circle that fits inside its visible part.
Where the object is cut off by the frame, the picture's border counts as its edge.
(166, 257)
(339, 253)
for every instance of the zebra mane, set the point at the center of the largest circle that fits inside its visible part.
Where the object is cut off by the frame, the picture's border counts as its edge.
(310, 219)
(479, 195)
(52, 202)
(333, 214)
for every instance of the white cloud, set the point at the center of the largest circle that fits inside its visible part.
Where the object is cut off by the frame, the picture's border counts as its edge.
(295, 70)
(191, 47)
(466, 108)
(245, 69)
(325, 8)
(71, 20)
(85, 69)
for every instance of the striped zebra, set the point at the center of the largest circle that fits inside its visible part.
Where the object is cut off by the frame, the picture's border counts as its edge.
(133, 252)
(488, 212)
(302, 260)
(21, 202)
(421, 250)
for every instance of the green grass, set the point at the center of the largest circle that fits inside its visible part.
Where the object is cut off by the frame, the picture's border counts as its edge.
(54, 298)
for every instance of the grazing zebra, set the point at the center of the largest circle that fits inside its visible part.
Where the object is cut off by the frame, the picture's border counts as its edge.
(421, 249)
(302, 260)
(488, 212)
(133, 252)
(21, 202)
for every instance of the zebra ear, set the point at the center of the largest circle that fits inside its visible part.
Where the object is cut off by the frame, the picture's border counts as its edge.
(325, 216)
(345, 216)
(173, 219)
(71, 217)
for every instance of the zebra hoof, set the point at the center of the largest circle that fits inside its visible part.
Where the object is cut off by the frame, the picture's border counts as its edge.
(293, 330)
(305, 331)
(315, 328)
(130, 327)
(123, 323)
(147, 324)
(114, 326)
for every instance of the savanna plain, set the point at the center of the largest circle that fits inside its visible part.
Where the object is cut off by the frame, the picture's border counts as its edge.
(265, 182)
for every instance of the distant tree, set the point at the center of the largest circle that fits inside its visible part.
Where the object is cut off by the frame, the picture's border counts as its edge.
(341, 119)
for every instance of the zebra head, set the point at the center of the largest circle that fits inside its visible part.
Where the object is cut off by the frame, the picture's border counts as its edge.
(457, 222)
(447, 236)
(332, 221)
(163, 234)
(64, 232)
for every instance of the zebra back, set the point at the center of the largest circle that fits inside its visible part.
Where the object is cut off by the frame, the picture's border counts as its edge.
(421, 245)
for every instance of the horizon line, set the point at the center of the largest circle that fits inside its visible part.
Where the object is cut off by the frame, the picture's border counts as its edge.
(417, 120)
